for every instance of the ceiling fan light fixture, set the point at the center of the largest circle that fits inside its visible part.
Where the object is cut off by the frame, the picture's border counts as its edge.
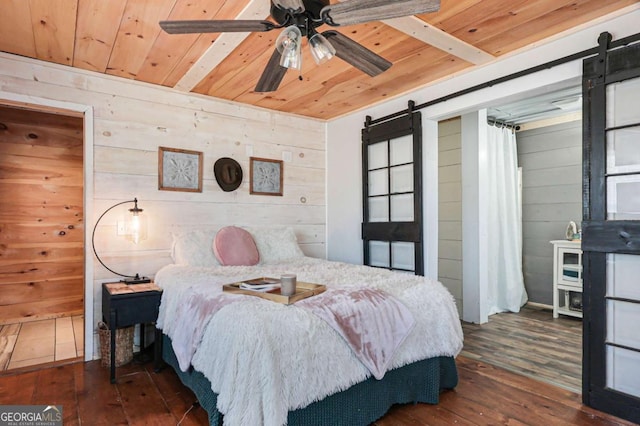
(321, 49)
(289, 44)
(298, 18)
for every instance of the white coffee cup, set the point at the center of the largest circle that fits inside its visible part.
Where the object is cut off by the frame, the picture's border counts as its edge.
(288, 284)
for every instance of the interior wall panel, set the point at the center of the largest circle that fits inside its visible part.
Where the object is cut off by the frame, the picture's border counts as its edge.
(450, 208)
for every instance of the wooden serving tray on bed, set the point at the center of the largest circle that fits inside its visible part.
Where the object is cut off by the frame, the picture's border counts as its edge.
(303, 290)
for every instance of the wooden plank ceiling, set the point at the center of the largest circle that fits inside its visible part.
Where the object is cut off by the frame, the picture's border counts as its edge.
(122, 38)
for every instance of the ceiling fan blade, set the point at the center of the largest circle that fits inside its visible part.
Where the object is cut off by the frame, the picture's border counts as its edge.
(356, 54)
(295, 5)
(357, 11)
(213, 26)
(272, 74)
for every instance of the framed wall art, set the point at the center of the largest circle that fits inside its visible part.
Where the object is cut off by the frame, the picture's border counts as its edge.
(265, 176)
(179, 170)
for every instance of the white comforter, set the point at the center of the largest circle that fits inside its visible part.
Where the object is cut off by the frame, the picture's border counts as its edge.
(264, 358)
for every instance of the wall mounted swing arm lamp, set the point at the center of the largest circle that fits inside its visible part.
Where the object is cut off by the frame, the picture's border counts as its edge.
(135, 211)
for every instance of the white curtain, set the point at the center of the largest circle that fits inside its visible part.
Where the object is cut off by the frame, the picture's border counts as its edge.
(506, 290)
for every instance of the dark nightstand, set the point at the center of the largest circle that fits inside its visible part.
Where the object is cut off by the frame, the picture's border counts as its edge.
(125, 305)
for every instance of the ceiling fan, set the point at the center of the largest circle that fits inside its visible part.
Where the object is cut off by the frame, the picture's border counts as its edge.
(300, 18)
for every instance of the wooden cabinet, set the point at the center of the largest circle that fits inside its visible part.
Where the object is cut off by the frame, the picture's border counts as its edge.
(567, 278)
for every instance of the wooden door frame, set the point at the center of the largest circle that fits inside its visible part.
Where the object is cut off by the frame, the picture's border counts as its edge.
(85, 111)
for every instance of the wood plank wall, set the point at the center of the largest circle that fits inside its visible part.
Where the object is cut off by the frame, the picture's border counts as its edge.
(551, 161)
(450, 207)
(41, 215)
(131, 120)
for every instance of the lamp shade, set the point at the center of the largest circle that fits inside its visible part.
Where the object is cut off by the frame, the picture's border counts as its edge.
(289, 44)
(321, 49)
(137, 229)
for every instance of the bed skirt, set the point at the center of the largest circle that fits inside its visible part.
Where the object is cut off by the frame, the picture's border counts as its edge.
(361, 404)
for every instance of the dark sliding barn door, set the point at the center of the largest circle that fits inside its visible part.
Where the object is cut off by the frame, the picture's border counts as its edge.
(611, 231)
(392, 194)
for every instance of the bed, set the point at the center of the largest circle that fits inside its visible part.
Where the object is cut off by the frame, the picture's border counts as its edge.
(253, 361)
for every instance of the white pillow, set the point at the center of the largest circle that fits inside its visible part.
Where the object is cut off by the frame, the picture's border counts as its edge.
(276, 244)
(194, 248)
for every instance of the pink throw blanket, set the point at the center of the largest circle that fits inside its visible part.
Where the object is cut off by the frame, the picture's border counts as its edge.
(194, 317)
(373, 323)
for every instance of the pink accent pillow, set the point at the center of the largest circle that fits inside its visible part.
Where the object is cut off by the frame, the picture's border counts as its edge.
(234, 246)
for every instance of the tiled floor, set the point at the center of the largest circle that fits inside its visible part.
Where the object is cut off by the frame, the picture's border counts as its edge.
(39, 342)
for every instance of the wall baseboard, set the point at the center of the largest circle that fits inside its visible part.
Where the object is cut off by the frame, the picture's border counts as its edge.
(539, 305)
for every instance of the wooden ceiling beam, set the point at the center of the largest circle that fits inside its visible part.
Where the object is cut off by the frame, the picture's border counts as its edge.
(222, 47)
(419, 29)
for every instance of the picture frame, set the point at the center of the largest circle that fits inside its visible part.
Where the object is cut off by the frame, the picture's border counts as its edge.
(179, 170)
(265, 176)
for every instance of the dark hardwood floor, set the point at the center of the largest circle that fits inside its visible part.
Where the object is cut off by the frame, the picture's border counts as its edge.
(140, 396)
(485, 395)
(488, 395)
(488, 391)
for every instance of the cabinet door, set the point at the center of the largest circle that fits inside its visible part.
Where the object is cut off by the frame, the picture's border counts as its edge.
(569, 270)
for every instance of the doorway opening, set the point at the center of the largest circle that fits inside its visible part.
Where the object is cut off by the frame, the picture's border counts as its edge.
(42, 238)
(549, 144)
